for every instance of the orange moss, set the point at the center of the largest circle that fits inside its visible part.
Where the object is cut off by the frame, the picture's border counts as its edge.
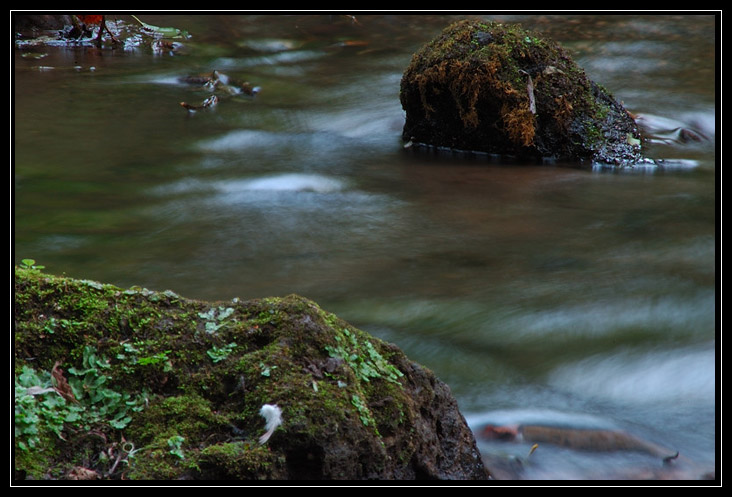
(563, 110)
(519, 123)
(500, 89)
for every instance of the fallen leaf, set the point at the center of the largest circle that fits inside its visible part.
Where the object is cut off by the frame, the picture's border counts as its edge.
(62, 386)
(209, 102)
(167, 32)
(632, 140)
(91, 19)
(81, 473)
(551, 70)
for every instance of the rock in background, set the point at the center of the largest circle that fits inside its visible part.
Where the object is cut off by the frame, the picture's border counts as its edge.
(499, 89)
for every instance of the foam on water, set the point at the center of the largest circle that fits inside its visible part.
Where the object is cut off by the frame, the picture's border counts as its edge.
(294, 182)
(243, 139)
(538, 416)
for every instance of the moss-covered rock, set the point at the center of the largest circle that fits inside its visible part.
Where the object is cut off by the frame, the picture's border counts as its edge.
(495, 88)
(156, 386)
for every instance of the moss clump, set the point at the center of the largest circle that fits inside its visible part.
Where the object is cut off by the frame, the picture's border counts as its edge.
(495, 88)
(240, 461)
(168, 388)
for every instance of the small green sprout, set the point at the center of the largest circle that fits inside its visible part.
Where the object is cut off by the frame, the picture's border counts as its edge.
(175, 443)
(30, 264)
(266, 370)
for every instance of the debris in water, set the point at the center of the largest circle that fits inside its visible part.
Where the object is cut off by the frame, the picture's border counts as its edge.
(161, 32)
(220, 81)
(209, 102)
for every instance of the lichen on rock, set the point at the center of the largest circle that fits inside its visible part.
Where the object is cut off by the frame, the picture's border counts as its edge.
(166, 387)
(489, 87)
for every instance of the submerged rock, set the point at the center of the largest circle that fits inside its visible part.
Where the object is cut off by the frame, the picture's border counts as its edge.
(156, 386)
(499, 89)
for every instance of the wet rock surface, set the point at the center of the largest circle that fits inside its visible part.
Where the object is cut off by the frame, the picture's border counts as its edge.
(156, 386)
(488, 87)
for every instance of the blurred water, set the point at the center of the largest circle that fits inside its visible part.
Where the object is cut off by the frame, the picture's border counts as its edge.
(564, 293)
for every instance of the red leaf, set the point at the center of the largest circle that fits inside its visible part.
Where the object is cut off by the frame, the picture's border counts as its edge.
(91, 19)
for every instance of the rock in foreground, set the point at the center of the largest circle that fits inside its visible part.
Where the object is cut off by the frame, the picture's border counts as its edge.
(488, 87)
(135, 384)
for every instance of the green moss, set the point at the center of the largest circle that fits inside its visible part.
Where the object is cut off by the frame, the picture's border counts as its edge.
(184, 415)
(199, 417)
(498, 88)
(168, 432)
(240, 461)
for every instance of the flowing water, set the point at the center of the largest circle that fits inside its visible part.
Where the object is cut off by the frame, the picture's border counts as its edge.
(545, 293)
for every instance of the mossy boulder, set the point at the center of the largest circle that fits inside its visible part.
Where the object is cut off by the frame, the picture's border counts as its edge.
(117, 383)
(495, 88)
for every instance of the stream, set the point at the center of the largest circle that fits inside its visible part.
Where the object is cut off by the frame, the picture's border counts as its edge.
(540, 293)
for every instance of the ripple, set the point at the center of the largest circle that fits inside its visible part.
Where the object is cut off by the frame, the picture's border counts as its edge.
(242, 139)
(683, 376)
(538, 416)
(294, 182)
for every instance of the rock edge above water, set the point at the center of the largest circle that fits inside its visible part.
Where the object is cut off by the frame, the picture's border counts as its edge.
(194, 376)
(489, 87)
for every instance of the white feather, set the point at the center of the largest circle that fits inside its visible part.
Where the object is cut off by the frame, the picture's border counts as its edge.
(273, 416)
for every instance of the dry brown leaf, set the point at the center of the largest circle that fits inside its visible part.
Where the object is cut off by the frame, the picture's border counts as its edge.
(62, 386)
(81, 473)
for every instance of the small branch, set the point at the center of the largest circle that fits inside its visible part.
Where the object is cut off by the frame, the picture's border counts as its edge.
(530, 91)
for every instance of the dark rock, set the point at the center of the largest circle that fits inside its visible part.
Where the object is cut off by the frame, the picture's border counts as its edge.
(40, 22)
(489, 87)
(179, 385)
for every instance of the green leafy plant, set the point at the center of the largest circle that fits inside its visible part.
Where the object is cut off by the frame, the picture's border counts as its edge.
(100, 403)
(128, 355)
(30, 264)
(363, 358)
(266, 370)
(364, 413)
(175, 444)
(216, 318)
(54, 324)
(132, 355)
(37, 408)
(218, 354)
(160, 357)
(40, 409)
